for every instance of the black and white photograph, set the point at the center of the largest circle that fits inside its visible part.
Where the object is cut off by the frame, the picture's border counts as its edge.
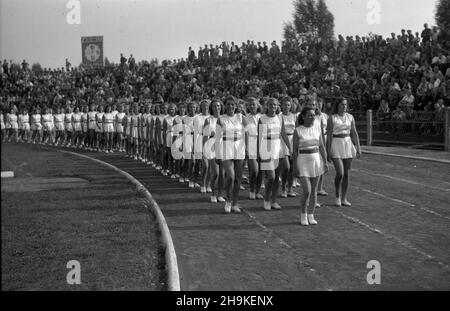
(225, 151)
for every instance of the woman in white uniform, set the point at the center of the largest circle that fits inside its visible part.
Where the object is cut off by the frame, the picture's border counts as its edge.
(36, 125)
(287, 175)
(215, 176)
(68, 126)
(310, 163)
(322, 120)
(143, 131)
(99, 128)
(24, 122)
(2, 124)
(84, 126)
(119, 128)
(12, 120)
(108, 129)
(168, 140)
(270, 133)
(177, 148)
(188, 144)
(134, 128)
(255, 175)
(341, 141)
(58, 120)
(201, 163)
(92, 125)
(77, 128)
(47, 126)
(126, 122)
(230, 133)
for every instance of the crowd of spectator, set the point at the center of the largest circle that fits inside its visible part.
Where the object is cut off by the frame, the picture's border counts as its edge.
(398, 77)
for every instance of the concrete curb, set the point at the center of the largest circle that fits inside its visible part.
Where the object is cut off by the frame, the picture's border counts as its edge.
(406, 156)
(171, 257)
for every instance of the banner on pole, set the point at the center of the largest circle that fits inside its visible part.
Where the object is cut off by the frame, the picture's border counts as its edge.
(92, 51)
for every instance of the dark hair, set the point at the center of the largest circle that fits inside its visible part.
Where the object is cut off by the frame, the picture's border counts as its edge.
(336, 104)
(300, 120)
(211, 104)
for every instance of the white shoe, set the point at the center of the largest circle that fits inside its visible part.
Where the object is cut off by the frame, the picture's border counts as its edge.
(338, 202)
(292, 194)
(221, 199)
(242, 188)
(276, 206)
(236, 209)
(227, 207)
(318, 205)
(213, 199)
(191, 184)
(263, 186)
(187, 180)
(259, 196)
(208, 189)
(267, 206)
(252, 196)
(172, 177)
(202, 189)
(135, 157)
(284, 194)
(311, 219)
(197, 185)
(303, 220)
(177, 176)
(181, 180)
(346, 203)
(322, 193)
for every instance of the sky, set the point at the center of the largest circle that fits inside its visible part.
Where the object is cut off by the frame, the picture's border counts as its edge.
(38, 30)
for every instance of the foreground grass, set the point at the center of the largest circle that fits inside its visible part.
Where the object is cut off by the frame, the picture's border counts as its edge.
(105, 226)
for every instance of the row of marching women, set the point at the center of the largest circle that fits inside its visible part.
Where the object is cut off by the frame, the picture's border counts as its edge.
(213, 144)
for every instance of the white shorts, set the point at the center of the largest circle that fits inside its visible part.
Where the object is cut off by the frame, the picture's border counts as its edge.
(108, 127)
(310, 165)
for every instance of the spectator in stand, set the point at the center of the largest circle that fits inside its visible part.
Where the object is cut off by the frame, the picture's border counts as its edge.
(426, 35)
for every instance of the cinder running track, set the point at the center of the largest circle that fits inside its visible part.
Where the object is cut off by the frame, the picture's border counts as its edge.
(400, 217)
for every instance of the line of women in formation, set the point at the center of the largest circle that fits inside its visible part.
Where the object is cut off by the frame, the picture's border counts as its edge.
(208, 146)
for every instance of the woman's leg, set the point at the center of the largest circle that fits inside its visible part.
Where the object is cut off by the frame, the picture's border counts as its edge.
(229, 177)
(284, 172)
(205, 175)
(313, 195)
(347, 167)
(276, 183)
(253, 175)
(268, 181)
(213, 174)
(339, 167)
(238, 170)
(306, 193)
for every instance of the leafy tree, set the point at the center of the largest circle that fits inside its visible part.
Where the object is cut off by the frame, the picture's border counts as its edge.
(36, 67)
(311, 18)
(442, 16)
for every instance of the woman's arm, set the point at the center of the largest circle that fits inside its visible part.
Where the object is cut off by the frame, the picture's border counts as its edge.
(355, 138)
(323, 153)
(285, 137)
(329, 136)
(295, 154)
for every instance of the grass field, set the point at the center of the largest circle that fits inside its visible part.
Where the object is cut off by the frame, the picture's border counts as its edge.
(88, 213)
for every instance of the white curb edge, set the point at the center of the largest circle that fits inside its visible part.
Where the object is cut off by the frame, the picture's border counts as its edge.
(8, 174)
(171, 257)
(406, 156)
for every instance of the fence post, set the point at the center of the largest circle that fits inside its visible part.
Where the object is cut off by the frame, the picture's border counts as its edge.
(369, 127)
(447, 129)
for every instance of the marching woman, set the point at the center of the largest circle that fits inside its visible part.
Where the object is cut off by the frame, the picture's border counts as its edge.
(77, 128)
(68, 126)
(159, 132)
(58, 120)
(148, 146)
(255, 175)
(168, 140)
(84, 126)
(108, 129)
(48, 126)
(155, 133)
(322, 120)
(341, 141)
(36, 125)
(188, 144)
(310, 163)
(177, 130)
(126, 122)
(134, 127)
(143, 132)
(120, 129)
(271, 130)
(92, 126)
(24, 123)
(287, 176)
(11, 119)
(230, 133)
(215, 174)
(99, 128)
(200, 160)
(115, 139)
(151, 122)
(2, 124)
